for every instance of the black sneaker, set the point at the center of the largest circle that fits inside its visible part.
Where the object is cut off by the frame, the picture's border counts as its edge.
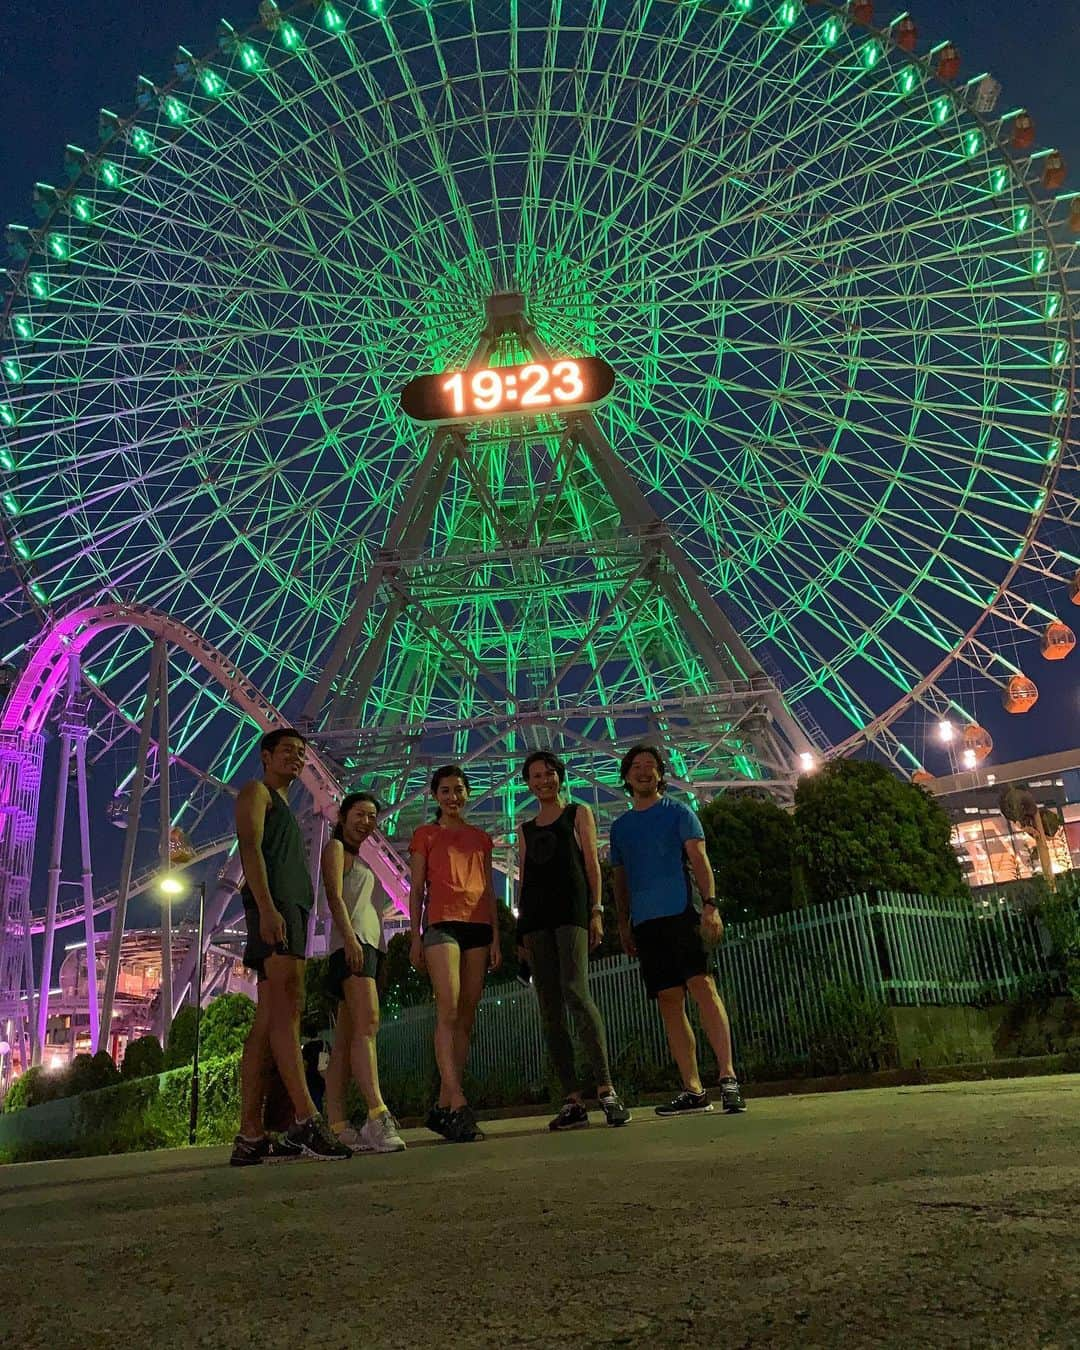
(686, 1104)
(614, 1111)
(461, 1126)
(314, 1140)
(573, 1116)
(731, 1099)
(249, 1152)
(436, 1120)
(283, 1149)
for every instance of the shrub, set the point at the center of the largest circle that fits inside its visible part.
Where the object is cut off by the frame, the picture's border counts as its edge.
(405, 987)
(1060, 915)
(167, 1115)
(88, 1073)
(30, 1089)
(319, 1007)
(225, 1025)
(142, 1058)
(849, 1032)
(180, 1046)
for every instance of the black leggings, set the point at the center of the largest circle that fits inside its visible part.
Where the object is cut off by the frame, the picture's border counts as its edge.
(559, 959)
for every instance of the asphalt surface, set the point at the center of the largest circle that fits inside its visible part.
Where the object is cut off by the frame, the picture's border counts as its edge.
(930, 1216)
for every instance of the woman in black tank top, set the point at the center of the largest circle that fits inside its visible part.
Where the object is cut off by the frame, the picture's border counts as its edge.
(560, 919)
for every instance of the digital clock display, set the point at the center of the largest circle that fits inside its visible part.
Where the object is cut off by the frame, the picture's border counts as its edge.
(465, 395)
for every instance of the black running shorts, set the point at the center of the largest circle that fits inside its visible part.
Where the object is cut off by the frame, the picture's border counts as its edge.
(337, 968)
(670, 951)
(296, 923)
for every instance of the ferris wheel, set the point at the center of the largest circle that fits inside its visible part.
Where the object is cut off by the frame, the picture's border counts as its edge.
(837, 285)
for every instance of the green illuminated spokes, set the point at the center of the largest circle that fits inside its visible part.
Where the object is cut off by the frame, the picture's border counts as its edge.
(835, 329)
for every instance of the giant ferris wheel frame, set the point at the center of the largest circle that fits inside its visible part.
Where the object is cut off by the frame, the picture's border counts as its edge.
(779, 222)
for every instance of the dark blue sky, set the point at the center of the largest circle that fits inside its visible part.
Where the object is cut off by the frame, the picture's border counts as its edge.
(60, 62)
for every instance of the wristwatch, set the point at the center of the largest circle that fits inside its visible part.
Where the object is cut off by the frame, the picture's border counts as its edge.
(710, 900)
(597, 909)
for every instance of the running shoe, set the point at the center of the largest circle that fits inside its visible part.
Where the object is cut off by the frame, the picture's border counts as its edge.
(615, 1113)
(731, 1098)
(283, 1150)
(572, 1116)
(316, 1141)
(436, 1120)
(686, 1104)
(380, 1135)
(461, 1126)
(249, 1152)
(350, 1137)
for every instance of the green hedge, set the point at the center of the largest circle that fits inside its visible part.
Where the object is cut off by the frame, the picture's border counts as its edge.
(141, 1113)
(85, 1073)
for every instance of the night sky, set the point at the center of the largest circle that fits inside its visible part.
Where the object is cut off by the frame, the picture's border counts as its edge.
(59, 63)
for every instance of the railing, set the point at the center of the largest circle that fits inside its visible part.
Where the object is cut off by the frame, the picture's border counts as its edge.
(773, 974)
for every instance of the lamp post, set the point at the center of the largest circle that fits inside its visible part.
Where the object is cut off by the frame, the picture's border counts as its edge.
(172, 884)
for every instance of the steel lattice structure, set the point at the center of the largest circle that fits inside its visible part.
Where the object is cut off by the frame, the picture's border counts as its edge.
(839, 290)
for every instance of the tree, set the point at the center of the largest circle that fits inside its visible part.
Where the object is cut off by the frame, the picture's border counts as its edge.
(225, 1025)
(859, 827)
(180, 1046)
(405, 987)
(750, 842)
(142, 1058)
(1019, 807)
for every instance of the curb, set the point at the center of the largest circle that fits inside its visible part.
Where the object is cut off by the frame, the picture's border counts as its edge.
(1035, 1066)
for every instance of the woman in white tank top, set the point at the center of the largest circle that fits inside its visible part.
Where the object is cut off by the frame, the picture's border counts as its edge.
(357, 951)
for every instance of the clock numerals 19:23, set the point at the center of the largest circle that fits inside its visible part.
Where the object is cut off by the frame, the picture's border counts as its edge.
(540, 385)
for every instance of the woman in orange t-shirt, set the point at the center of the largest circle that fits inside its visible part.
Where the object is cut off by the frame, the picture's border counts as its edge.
(458, 941)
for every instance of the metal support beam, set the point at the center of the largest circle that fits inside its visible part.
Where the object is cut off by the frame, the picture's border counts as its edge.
(165, 825)
(88, 895)
(131, 834)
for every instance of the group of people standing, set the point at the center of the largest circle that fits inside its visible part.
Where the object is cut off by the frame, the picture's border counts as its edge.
(657, 850)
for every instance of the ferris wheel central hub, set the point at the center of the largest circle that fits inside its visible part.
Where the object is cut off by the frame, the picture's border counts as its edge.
(505, 309)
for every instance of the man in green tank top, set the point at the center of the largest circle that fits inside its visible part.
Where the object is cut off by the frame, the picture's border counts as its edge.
(277, 897)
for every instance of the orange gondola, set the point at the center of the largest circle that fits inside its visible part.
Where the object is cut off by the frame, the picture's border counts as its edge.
(1053, 176)
(921, 778)
(1074, 588)
(862, 11)
(1023, 132)
(948, 62)
(1021, 694)
(906, 33)
(978, 740)
(1058, 640)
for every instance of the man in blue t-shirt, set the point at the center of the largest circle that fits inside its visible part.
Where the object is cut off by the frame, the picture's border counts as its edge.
(655, 848)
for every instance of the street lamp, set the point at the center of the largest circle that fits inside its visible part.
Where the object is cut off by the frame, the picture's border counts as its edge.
(173, 884)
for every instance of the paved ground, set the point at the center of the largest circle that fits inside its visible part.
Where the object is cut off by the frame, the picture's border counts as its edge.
(936, 1216)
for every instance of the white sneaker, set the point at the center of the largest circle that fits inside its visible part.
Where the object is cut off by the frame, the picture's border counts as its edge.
(351, 1139)
(379, 1135)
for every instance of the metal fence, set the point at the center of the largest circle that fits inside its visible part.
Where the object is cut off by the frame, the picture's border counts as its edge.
(774, 975)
